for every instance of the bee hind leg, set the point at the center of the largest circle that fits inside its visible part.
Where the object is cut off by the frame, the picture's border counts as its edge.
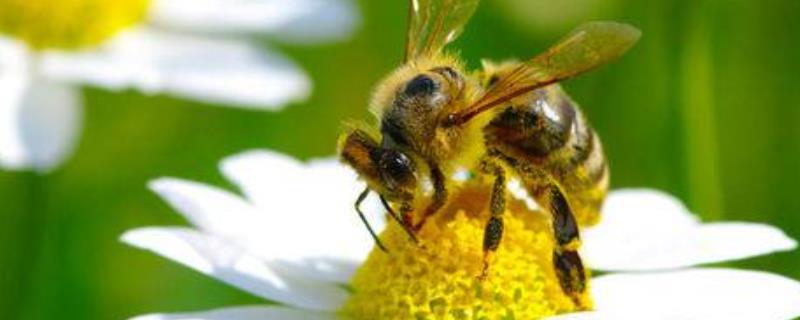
(493, 232)
(566, 260)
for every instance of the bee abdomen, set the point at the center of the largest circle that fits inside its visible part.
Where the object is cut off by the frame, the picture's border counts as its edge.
(546, 135)
(537, 127)
(586, 152)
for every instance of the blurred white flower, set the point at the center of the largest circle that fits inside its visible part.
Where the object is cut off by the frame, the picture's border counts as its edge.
(196, 49)
(293, 238)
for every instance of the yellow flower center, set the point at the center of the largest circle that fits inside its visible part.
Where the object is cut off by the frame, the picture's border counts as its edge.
(68, 24)
(439, 277)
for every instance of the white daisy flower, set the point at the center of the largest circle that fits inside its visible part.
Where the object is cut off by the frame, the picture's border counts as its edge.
(293, 238)
(49, 48)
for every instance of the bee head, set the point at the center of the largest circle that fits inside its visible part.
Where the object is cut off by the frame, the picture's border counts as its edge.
(397, 171)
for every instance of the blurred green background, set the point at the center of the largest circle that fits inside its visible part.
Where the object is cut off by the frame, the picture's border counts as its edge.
(706, 106)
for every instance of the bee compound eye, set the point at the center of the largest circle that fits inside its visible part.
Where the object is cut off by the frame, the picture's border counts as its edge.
(492, 80)
(421, 84)
(397, 169)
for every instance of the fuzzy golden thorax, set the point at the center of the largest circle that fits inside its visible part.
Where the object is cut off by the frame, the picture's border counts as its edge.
(412, 102)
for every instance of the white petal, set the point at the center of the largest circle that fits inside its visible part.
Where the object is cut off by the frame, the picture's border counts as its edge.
(212, 70)
(243, 313)
(14, 80)
(650, 230)
(617, 315)
(272, 238)
(699, 294)
(312, 203)
(270, 180)
(227, 262)
(297, 20)
(213, 210)
(39, 120)
(517, 191)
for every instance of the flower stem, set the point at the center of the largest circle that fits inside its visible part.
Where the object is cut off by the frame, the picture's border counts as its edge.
(25, 247)
(699, 116)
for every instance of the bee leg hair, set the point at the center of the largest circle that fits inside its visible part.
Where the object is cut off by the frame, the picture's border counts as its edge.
(493, 232)
(566, 260)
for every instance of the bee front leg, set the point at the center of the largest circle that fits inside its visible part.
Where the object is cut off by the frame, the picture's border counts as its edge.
(439, 196)
(404, 220)
(362, 153)
(566, 260)
(372, 233)
(493, 232)
(386, 171)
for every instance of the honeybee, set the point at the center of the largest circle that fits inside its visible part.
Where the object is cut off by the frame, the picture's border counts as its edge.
(510, 119)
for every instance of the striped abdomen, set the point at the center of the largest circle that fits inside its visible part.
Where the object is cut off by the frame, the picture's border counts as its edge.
(545, 138)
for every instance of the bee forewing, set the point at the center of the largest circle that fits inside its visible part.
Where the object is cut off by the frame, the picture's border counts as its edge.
(589, 46)
(435, 23)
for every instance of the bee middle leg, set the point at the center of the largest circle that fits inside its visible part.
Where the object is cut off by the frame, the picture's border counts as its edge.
(439, 196)
(566, 260)
(493, 232)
